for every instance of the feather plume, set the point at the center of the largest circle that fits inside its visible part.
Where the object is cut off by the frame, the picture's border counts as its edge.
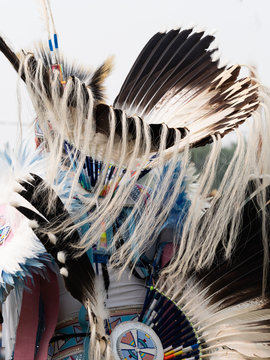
(99, 76)
(21, 253)
(176, 82)
(224, 302)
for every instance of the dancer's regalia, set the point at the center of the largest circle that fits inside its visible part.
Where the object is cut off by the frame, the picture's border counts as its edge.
(153, 267)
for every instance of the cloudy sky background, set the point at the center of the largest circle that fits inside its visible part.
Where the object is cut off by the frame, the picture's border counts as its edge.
(89, 31)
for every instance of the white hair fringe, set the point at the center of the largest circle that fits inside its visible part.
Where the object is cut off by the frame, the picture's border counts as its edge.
(60, 122)
(200, 239)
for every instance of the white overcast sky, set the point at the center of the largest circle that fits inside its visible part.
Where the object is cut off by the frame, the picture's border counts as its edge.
(89, 31)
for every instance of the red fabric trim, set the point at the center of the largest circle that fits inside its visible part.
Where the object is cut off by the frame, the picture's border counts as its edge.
(167, 254)
(48, 289)
(50, 295)
(28, 323)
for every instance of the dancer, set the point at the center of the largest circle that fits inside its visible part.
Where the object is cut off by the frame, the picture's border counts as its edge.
(153, 268)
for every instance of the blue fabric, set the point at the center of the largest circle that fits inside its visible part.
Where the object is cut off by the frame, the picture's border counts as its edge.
(174, 220)
(178, 213)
